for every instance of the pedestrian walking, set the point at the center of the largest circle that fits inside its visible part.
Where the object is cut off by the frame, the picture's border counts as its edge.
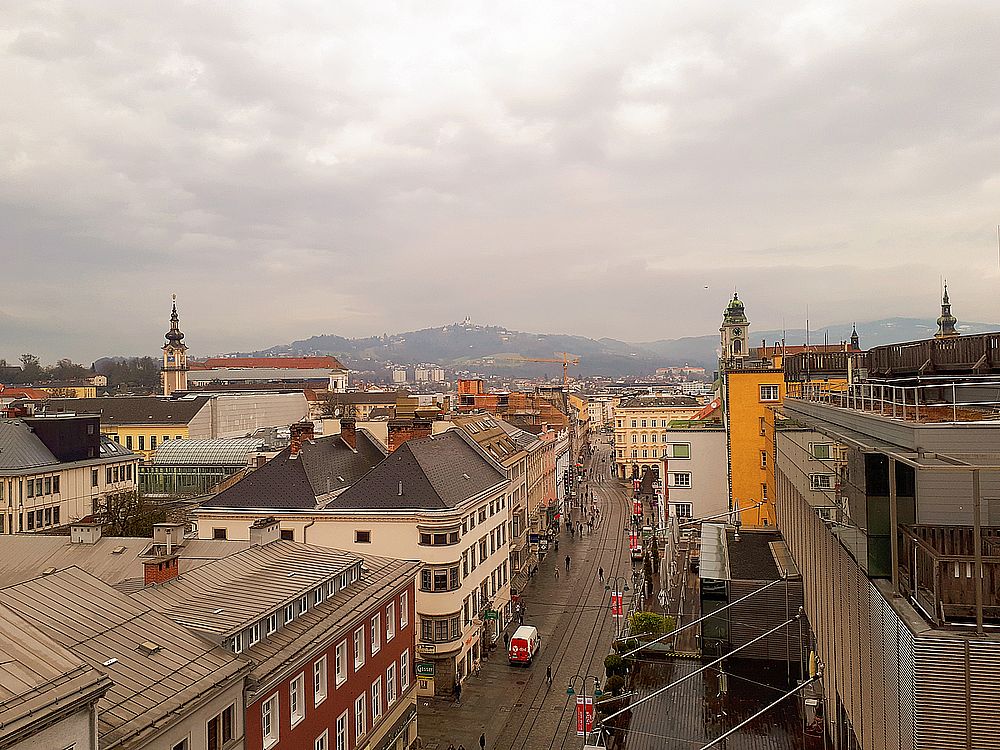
(506, 639)
(458, 691)
(600, 575)
(567, 562)
(548, 675)
(482, 741)
(520, 618)
(557, 574)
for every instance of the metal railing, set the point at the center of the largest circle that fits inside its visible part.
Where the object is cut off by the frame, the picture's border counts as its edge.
(923, 400)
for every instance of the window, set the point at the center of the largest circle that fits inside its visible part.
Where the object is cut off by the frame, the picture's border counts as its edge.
(362, 537)
(390, 621)
(269, 721)
(323, 741)
(404, 669)
(376, 700)
(634, 423)
(359, 648)
(763, 426)
(93, 481)
(48, 485)
(390, 685)
(342, 731)
(296, 699)
(763, 491)
(341, 663)
(635, 438)
(769, 393)
(821, 451)
(152, 442)
(682, 510)
(404, 610)
(304, 604)
(272, 623)
(238, 643)
(679, 479)
(222, 728)
(645, 453)
(219, 533)
(254, 634)
(288, 535)
(182, 745)
(289, 613)
(425, 538)
(128, 442)
(319, 681)
(142, 442)
(376, 634)
(425, 580)
(680, 450)
(55, 485)
(635, 453)
(359, 717)
(108, 475)
(652, 438)
(644, 423)
(763, 459)
(821, 481)
(644, 438)
(55, 515)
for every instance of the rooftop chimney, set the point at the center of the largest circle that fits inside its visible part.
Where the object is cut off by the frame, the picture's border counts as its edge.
(84, 533)
(168, 534)
(401, 430)
(264, 531)
(348, 431)
(299, 433)
(159, 569)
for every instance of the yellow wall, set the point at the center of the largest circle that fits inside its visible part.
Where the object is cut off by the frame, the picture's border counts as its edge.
(747, 418)
(122, 433)
(580, 404)
(70, 391)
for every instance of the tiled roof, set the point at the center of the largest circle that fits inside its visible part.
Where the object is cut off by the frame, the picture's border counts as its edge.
(132, 410)
(441, 471)
(289, 363)
(19, 392)
(20, 448)
(324, 465)
(106, 628)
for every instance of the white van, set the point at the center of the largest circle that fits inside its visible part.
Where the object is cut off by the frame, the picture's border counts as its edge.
(523, 645)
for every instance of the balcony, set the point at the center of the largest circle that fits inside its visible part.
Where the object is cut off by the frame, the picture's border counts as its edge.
(937, 573)
(931, 400)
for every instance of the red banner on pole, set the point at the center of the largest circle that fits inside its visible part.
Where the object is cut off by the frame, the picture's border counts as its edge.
(617, 610)
(584, 713)
(637, 507)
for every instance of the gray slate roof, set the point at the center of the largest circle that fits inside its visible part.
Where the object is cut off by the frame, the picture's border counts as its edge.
(441, 471)
(131, 410)
(323, 466)
(100, 625)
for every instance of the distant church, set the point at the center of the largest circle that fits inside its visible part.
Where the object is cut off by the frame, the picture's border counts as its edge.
(175, 364)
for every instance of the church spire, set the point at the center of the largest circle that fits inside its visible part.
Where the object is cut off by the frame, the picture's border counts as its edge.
(174, 335)
(855, 339)
(946, 323)
(175, 365)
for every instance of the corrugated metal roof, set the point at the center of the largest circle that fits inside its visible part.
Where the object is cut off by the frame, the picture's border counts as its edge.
(227, 595)
(105, 629)
(714, 561)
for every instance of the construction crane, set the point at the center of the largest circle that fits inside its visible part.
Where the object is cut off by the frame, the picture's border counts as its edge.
(566, 360)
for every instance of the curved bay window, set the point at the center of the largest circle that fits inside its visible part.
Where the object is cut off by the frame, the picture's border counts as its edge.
(440, 579)
(440, 629)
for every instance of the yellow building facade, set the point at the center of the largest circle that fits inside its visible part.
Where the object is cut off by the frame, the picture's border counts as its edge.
(144, 439)
(750, 395)
(641, 428)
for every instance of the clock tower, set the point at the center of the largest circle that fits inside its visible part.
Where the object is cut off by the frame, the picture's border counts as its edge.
(175, 365)
(734, 331)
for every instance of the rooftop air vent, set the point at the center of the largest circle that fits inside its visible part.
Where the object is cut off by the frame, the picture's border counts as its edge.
(110, 661)
(48, 571)
(118, 550)
(149, 648)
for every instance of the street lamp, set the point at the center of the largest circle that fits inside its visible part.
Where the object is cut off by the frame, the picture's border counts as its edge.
(570, 691)
(613, 587)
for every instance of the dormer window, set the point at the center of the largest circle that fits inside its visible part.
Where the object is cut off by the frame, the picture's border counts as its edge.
(272, 623)
(289, 613)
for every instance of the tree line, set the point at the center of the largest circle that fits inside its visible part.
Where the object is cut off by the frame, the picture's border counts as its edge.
(140, 373)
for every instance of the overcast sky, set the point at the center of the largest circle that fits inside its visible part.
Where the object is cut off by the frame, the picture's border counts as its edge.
(293, 168)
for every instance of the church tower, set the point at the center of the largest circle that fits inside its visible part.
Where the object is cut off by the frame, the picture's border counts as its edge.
(946, 323)
(175, 366)
(855, 339)
(734, 331)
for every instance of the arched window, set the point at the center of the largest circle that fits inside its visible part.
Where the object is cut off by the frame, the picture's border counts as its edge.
(737, 346)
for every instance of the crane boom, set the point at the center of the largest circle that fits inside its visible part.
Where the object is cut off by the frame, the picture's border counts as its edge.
(566, 360)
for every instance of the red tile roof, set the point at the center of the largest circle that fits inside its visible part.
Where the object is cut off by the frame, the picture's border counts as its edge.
(15, 392)
(291, 363)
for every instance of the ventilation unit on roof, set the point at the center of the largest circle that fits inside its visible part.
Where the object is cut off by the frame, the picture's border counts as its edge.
(110, 661)
(149, 648)
(118, 550)
(48, 571)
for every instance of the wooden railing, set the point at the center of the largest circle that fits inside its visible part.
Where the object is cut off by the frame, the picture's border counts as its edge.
(937, 572)
(977, 354)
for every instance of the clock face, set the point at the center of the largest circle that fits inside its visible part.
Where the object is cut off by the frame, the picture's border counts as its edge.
(737, 332)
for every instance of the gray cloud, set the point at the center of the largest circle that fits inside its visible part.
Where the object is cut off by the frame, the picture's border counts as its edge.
(358, 168)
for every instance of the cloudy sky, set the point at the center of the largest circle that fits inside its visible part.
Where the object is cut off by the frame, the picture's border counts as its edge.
(297, 168)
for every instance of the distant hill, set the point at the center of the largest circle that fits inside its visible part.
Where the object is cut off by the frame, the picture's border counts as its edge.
(466, 346)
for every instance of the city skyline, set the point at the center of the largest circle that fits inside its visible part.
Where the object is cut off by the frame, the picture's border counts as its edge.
(302, 170)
